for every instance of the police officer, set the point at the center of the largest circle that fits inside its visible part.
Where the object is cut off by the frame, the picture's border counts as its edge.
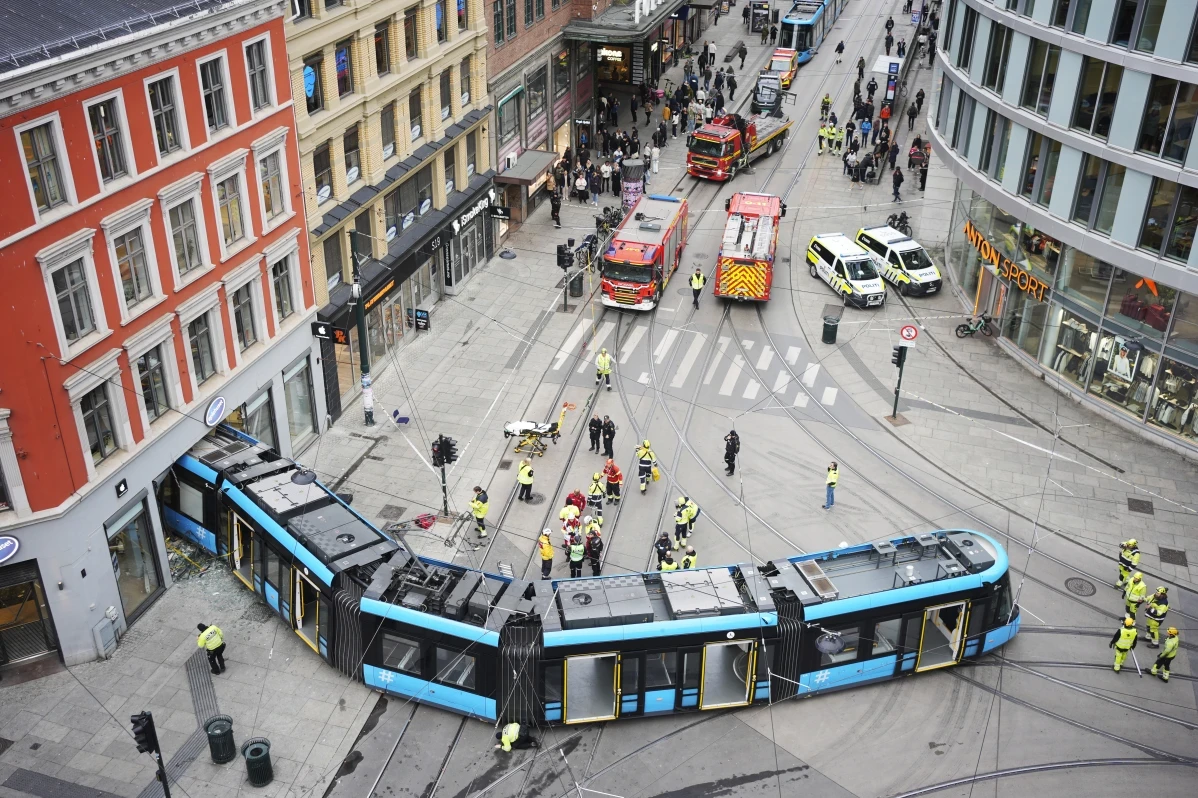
(646, 461)
(511, 737)
(576, 551)
(822, 136)
(603, 367)
(545, 546)
(1129, 560)
(213, 642)
(731, 450)
(870, 88)
(615, 480)
(697, 283)
(825, 107)
(524, 477)
(662, 547)
(595, 493)
(595, 428)
(667, 563)
(1135, 593)
(478, 508)
(609, 436)
(680, 527)
(1124, 641)
(1154, 614)
(690, 559)
(594, 545)
(1160, 668)
(838, 134)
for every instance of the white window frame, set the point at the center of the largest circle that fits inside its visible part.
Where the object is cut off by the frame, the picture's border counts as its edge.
(157, 333)
(78, 246)
(123, 120)
(230, 105)
(106, 373)
(205, 303)
(64, 168)
(232, 165)
(171, 197)
(273, 143)
(286, 248)
(136, 216)
(273, 101)
(248, 273)
(10, 469)
(180, 113)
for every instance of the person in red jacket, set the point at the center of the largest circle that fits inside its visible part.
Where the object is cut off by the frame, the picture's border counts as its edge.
(615, 479)
(578, 499)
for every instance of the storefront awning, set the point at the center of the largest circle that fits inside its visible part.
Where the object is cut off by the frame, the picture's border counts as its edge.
(622, 24)
(530, 167)
(703, 3)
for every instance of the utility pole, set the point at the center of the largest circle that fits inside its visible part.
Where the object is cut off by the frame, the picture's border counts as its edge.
(899, 358)
(363, 339)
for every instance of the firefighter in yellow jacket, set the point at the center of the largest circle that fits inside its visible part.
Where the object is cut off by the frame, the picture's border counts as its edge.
(478, 508)
(1129, 560)
(603, 368)
(1161, 667)
(1135, 593)
(1154, 615)
(1124, 641)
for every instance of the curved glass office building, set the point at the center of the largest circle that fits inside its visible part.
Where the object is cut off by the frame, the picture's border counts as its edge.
(1069, 125)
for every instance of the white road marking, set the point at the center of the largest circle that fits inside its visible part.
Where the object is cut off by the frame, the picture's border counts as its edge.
(688, 360)
(604, 330)
(801, 399)
(571, 345)
(792, 354)
(638, 332)
(722, 347)
(747, 343)
(782, 383)
(644, 378)
(767, 357)
(663, 348)
(751, 389)
(810, 373)
(829, 397)
(732, 376)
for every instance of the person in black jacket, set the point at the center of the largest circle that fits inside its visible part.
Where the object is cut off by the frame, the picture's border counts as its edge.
(896, 180)
(609, 436)
(595, 427)
(731, 450)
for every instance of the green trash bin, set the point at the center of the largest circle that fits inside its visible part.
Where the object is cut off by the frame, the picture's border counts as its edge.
(257, 761)
(830, 325)
(220, 739)
(576, 284)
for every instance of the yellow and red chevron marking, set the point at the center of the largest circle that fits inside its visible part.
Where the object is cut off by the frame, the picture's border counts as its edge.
(743, 280)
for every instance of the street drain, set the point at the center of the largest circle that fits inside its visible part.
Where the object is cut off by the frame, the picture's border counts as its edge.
(1080, 587)
(537, 498)
(1174, 557)
(1139, 506)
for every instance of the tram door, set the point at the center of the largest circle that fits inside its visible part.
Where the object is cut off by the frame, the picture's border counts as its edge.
(592, 688)
(728, 668)
(241, 549)
(943, 635)
(307, 618)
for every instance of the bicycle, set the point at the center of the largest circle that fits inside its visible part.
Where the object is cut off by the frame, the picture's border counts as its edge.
(972, 325)
(900, 222)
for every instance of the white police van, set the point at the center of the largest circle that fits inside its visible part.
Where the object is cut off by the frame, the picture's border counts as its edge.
(849, 269)
(901, 260)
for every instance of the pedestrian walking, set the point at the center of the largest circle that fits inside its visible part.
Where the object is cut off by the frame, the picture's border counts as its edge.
(646, 464)
(896, 181)
(820, 136)
(595, 428)
(765, 34)
(609, 436)
(902, 48)
(1154, 615)
(919, 95)
(830, 486)
(690, 559)
(731, 86)
(212, 640)
(921, 45)
(545, 547)
(743, 52)
(603, 367)
(1135, 593)
(719, 79)
(889, 24)
(839, 50)
(478, 508)
(773, 34)
(655, 153)
(1129, 560)
(839, 138)
(870, 88)
(923, 175)
(932, 49)
(861, 68)
(615, 481)
(894, 151)
(731, 451)
(745, 15)
(596, 187)
(524, 477)
(1160, 668)
(555, 208)
(888, 42)
(594, 547)
(698, 280)
(1124, 641)
(912, 112)
(707, 79)
(511, 737)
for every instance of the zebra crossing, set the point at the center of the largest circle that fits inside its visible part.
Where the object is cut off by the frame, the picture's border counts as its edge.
(749, 374)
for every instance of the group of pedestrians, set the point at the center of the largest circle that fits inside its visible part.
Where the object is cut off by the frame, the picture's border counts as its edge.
(1156, 607)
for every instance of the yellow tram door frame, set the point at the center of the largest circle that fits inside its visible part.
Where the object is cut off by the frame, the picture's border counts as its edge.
(750, 671)
(959, 633)
(297, 609)
(617, 697)
(237, 544)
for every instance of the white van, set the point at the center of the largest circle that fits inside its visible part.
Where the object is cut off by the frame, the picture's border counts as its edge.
(847, 268)
(901, 260)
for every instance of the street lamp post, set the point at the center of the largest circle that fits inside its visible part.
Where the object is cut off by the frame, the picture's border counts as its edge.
(363, 342)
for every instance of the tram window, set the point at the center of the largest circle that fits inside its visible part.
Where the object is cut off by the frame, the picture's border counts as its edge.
(630, 675)
(851, 635)
(191, 502)
(978, 611)
(401, 654)
(553, 682)
(455, 668)
(913, 632)
(271, 571)
(1003, 601)
(660, 670)
(692, 668)
(886, 636)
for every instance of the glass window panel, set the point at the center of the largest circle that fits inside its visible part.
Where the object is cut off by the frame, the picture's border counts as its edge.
(1039, 253)
(382, 48)
(165, 115)
(1060, 13)
(851, 636)
(1174, 399)
(212, 80)
(661, 670)
(322, 168)
(280, 274)
(1160, 206)
(387, 126)
(1044, 99)
(1123, 372)
(1050, 173)
(536, 93)
(1125, 18)
(153, 383)
(1156, 114)
(202, 356)
(1034, 146)
(97, 420)
(1081, 15)
(455, 668)
(1150, 25)
(446, 92)
(510, 13)
(1084, 278)
(1192, 53)
(1024, 325)
(561, 73)
(313, 74)
(259, 74)
(133, 562)
(1087, 95)
(1138, 303)
(463, 15)
(1181, 126)
(464, 80)
(353, 155)
(272, 185)
(343, 56)
(185, 237)
(131, 264)
(41, 159)
(885, 638)
(442, 22)
(1112, 186)
(228, 198)
(1105, 109)
(1184, 334)
(74, 300)
(1181, 237)
(1035, 74)
(1069, 346)
(106, 135)
(297, 390)
(1087, 188)
(243, 317)
(415, 114)
(1000, 162)
(401, 654)
(410, 27)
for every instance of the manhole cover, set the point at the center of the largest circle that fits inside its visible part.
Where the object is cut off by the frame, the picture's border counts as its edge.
(537, 498)
(392, 512)
(1080, 587)
(1139, 506)
(1174, 557)
(505, 465)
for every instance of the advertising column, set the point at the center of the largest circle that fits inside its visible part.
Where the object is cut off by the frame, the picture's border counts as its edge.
(632, 181)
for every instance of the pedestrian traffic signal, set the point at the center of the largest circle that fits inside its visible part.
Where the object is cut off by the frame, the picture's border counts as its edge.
(449, 449)
(899, 355)
(144, 733)
(564, 258)
(438, 453)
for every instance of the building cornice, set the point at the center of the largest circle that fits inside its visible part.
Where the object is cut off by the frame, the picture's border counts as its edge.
(48, 80)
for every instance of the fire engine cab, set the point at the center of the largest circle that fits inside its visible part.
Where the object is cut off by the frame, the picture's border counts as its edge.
(644, 252)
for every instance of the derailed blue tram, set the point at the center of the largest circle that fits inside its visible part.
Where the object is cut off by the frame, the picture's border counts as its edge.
(588, 649)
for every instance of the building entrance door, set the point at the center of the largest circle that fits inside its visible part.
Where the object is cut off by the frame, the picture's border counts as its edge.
(26, 630)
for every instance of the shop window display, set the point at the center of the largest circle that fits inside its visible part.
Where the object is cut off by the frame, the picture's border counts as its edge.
(1141, 305)
(1084, 278)
(1040, 252)
(1184, 335)
(1070, 348)
(1024, 325)
(1174, 404)
(1123, 372)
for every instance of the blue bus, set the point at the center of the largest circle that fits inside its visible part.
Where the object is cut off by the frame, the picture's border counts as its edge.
(588, 649)
(807, 24)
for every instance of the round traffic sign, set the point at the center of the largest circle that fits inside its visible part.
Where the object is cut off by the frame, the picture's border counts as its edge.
(909, 332)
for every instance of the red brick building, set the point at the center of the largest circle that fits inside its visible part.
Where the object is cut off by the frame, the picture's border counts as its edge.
(156, 280)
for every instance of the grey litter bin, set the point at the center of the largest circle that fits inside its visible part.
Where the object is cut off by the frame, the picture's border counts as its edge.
(257, 761)
(576, 284)
(830, 325)
(220, 739)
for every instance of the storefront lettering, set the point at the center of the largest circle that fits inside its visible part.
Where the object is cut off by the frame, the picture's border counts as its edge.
(608, 54)
(382, 292)
(467, 217)
(1004, 267)
(8, 547)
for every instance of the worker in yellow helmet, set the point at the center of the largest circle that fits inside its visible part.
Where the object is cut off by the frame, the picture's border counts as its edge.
(1129, 560)
(1161, 667)
(1124, 641)
(1135, 593)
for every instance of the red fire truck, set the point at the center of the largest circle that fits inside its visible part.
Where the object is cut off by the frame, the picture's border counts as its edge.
(644, 252)
(745, 269)
(725, 145)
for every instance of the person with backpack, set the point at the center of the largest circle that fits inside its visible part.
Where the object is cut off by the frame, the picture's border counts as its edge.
(731, 86)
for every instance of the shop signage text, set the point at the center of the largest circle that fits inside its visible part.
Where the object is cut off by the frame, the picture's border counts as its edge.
(608, 54)
(422, 320)
(327, 332)
(8, 547)
(215, 411)
(1004, 267)
(467, 217)
(382, 292)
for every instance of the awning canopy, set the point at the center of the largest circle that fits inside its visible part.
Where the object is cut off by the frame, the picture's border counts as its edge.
(703, 3)
(530, 166)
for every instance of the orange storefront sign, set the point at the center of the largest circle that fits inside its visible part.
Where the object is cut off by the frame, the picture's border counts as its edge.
(1004, 267)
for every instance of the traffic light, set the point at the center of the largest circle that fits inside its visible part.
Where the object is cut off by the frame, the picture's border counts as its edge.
(449, 448)
(438, 453)
(898, 355)
(564, 258)
(144, 733)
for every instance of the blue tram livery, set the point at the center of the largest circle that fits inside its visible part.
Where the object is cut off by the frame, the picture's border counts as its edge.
(588, 649)
(808, 22)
